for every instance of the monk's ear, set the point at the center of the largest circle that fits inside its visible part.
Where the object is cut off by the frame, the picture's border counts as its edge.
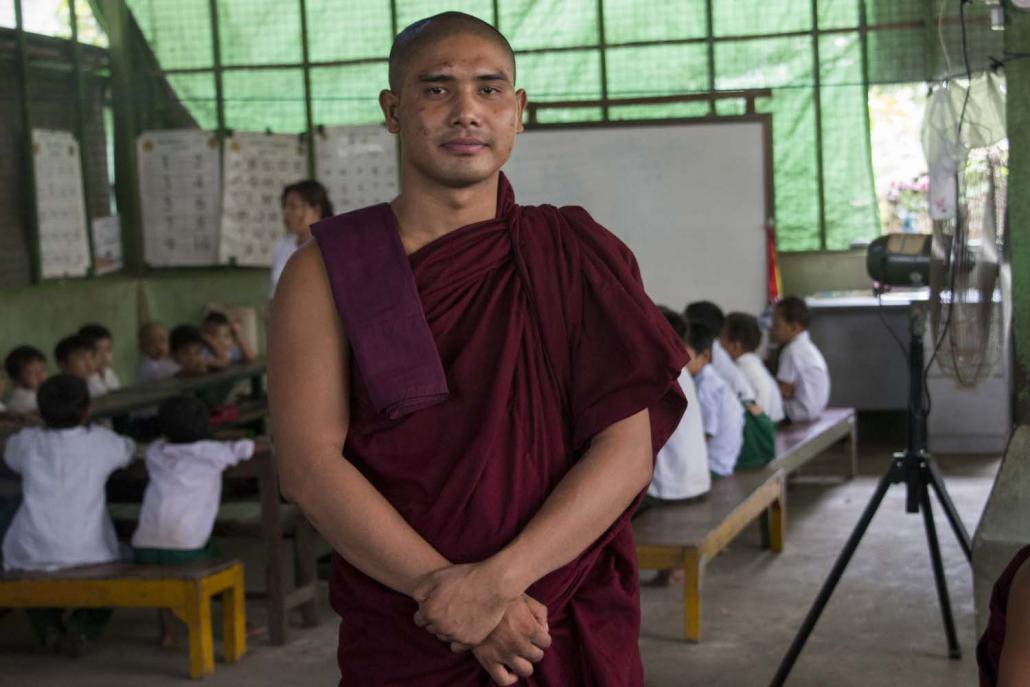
(521, 99)
(388, 101)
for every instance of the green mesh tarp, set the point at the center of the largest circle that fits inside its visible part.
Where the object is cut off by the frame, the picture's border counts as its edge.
(816, 56)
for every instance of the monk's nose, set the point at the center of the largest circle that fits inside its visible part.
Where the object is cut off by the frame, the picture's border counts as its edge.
(466, 110)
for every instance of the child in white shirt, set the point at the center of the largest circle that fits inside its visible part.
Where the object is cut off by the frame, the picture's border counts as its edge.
(62, 520)
(103, 355)
(26, 368)
(75, 355)
(710, 315)
(225, 344)
(185, 488)
(722, 413)
(803, 376)
(156, 363)
(741, 337)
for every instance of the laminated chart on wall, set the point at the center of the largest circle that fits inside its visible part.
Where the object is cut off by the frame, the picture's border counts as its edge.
(180, 193)
(107, 245)
(357, 165)
(60, 207)
(257, 167)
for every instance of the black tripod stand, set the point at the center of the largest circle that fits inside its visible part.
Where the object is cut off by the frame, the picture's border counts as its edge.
(917, 470)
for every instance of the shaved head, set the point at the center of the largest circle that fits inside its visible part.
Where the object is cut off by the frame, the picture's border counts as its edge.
(425, 32)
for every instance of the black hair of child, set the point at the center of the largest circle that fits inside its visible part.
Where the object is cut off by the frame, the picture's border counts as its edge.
(184, 335)
(743, 328)
(19, 358)
(707, 313)
(794, 310)
(313, 193)
(63, 401)
(675, 320)
(70, 345)
(94, 332)
(215, 319)
(184, 420)
(700, 337)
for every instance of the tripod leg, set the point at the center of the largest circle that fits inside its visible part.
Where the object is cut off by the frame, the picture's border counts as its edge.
(791, 657)
(938, 575)
(949, 508)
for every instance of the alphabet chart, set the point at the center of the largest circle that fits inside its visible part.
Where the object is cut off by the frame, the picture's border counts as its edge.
(60, 206)
(107, 245)
(257, 167)
(180, 193)
(357, 165)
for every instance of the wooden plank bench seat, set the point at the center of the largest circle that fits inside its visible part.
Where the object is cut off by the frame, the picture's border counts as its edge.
(686, 536)
(799, 442)
(185, 589)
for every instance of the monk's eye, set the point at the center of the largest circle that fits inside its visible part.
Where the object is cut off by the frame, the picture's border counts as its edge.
(490, 90)
(435, 90)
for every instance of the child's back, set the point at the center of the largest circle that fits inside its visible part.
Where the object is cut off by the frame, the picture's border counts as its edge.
(62, 520)
(184, 491)
(767, 393)
(681, 468)
(723, 418)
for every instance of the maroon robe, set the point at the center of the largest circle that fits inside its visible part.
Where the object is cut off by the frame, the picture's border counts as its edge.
(988, 650)
(547, 338)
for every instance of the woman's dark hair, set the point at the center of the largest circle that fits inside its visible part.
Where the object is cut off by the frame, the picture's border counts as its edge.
(19, 358)
(63, 401)
(312, 193)
(743, 328)
(794, 310)
(183, 420)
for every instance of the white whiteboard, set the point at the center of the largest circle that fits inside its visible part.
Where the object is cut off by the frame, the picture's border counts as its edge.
(690, 200)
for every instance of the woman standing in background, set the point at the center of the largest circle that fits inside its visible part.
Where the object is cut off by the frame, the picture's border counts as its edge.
(304, 203)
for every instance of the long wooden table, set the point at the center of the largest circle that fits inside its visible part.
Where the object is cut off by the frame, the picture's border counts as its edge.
(152, 394)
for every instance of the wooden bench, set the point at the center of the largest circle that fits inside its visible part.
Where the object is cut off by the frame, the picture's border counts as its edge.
(799, 442)
(185, 589)
(687, 536)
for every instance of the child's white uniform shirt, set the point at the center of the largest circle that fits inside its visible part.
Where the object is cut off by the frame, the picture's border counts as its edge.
(767, 391)
(184, 492)
(22, 400)
(723, 364)
(96, 385)
(803, 366)
(723, 418)
(681, 468)
(110, 379)
(62, 520)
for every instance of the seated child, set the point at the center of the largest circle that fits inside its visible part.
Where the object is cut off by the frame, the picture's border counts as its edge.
(710, 315)
(156, 363)
(185, 487)
(1003, 652)
(225, 346)
(26, 368)
(62, 520)
(803, 376)
(187, 348)
(74, 355)
(103, 345)
(721, 412)
(741, 337)
(681, 468)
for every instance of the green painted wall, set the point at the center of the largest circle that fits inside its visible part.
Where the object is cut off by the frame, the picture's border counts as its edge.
(41, 315)
(1017, 73)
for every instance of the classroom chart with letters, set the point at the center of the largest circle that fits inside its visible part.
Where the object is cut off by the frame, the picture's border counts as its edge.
(181, 197)
(60, 205)
(107, 245)
(257, 167)
(357, 165)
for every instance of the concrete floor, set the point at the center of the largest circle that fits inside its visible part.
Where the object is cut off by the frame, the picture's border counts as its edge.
(882, 627)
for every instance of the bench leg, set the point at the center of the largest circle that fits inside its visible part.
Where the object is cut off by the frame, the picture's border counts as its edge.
(197, 615)
(853, 449)
(307, 572)
(774, 523)
(692, 569)
(234, 619)
(275, 587)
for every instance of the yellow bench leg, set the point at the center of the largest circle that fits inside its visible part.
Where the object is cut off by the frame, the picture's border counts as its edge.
(234, 619)
(197, 614)
(692, 569)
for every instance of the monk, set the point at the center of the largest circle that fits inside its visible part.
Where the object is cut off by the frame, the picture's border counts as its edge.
(1003, 653)
(480, 523)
